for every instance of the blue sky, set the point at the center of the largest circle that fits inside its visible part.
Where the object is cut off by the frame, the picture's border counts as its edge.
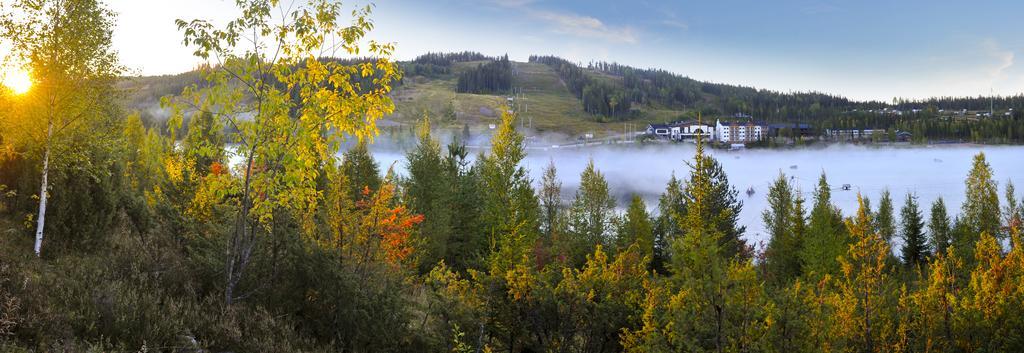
(865, 49)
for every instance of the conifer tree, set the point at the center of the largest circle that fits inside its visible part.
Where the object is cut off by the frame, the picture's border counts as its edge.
(666, 226)
(915, 246)
(826, 237)
(428, 190)
(636, 229)
(592, 215)
(782, 260)
(939, 227)
(885, 219)
(362, 171)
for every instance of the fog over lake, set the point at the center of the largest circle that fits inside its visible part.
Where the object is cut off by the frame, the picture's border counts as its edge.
(930, 172)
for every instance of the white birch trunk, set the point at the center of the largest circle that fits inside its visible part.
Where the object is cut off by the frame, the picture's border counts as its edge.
(41, 221)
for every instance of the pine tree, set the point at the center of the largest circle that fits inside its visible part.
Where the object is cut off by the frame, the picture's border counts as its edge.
(782, 260)
(592, 215)
(885, 220)
(427, 191)
(671, 209)
(915, 246)
(362, 171)
(551, 204)
(467, 243)
(826, 237)
(939, 227)
(636, 229)
(510, 207)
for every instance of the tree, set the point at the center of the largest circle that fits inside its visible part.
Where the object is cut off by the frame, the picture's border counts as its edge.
(939, 227)
(289, 108)
(67, 46)
(636, 229)
(362, 170)
(915, 246)
(428, 191)
(592, 216)
(981, 206)
(666, 226)
(885, 220)
(1013, 213)
(826, 235)
(551, 204)
(782, 262)
(864, 307)
(509, 208)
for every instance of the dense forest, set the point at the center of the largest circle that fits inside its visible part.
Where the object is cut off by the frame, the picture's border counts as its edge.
(437, 64)
(599, 97)
(491, 77)
(165, 239)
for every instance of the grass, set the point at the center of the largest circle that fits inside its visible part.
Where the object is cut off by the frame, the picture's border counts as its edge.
(548, 103)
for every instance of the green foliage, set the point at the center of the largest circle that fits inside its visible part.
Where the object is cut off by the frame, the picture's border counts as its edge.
(782, 261)
(885, 220)
(915, 249)
(636, 229)
(492, 77)
(939, 227)
(591, 217)
(826, 237)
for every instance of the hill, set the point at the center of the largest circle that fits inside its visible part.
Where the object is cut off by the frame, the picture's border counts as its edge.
(555, 96)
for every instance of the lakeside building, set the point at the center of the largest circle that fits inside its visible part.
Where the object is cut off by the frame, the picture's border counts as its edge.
(740, 131)
(681, 130)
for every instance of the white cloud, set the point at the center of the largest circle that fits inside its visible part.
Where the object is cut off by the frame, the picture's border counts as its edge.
(573, 24)
(584, 26)
(1003, 58)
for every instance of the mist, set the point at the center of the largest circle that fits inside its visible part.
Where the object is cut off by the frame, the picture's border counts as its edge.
(929, 172)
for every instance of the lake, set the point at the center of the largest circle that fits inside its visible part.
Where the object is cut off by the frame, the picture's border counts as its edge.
(930, 172)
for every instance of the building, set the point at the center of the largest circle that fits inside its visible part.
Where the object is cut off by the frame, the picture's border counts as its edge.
(793, 129)
(659, 130)
(740, 131)
(681, 131)
(852, 134)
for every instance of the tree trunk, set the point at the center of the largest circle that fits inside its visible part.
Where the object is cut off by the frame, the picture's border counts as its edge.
(41, 221)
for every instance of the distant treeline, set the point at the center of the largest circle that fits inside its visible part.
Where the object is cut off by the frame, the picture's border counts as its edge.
(492, 77)
(599, 96)
(436, 64)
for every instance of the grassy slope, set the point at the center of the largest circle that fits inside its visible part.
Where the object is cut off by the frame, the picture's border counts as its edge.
(547, 101)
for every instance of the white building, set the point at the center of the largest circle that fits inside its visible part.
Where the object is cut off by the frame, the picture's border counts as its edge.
(690, 131)
(740, 131)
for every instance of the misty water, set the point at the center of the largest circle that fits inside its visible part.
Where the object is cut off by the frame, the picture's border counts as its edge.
(930, 172)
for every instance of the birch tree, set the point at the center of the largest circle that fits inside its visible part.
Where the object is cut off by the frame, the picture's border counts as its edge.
(66, 44)
(272, 82)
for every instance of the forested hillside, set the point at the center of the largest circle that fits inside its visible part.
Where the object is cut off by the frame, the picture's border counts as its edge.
(250, 230)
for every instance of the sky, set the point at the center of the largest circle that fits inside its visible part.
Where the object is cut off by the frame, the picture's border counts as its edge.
(861, 49)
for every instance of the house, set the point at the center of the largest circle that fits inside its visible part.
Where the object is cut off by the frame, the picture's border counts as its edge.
(659, 130)
(903, 136)
(742, 131)
(681, 131)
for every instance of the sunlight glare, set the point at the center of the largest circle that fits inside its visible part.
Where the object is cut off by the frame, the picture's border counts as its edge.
(18, 81)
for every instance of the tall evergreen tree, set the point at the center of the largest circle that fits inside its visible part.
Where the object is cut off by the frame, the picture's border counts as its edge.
(362, 170)
(551, 204)
(826, 237)
(671, 208)
(782, 260)
(467, 242)
(592, 215)
(510, 207)
(885, 219)
(939, 227)
(915, 246)
(636, 228)
(428, 191)
(723, 204)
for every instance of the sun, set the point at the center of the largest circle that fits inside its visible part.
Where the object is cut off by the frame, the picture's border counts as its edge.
(19, 81)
